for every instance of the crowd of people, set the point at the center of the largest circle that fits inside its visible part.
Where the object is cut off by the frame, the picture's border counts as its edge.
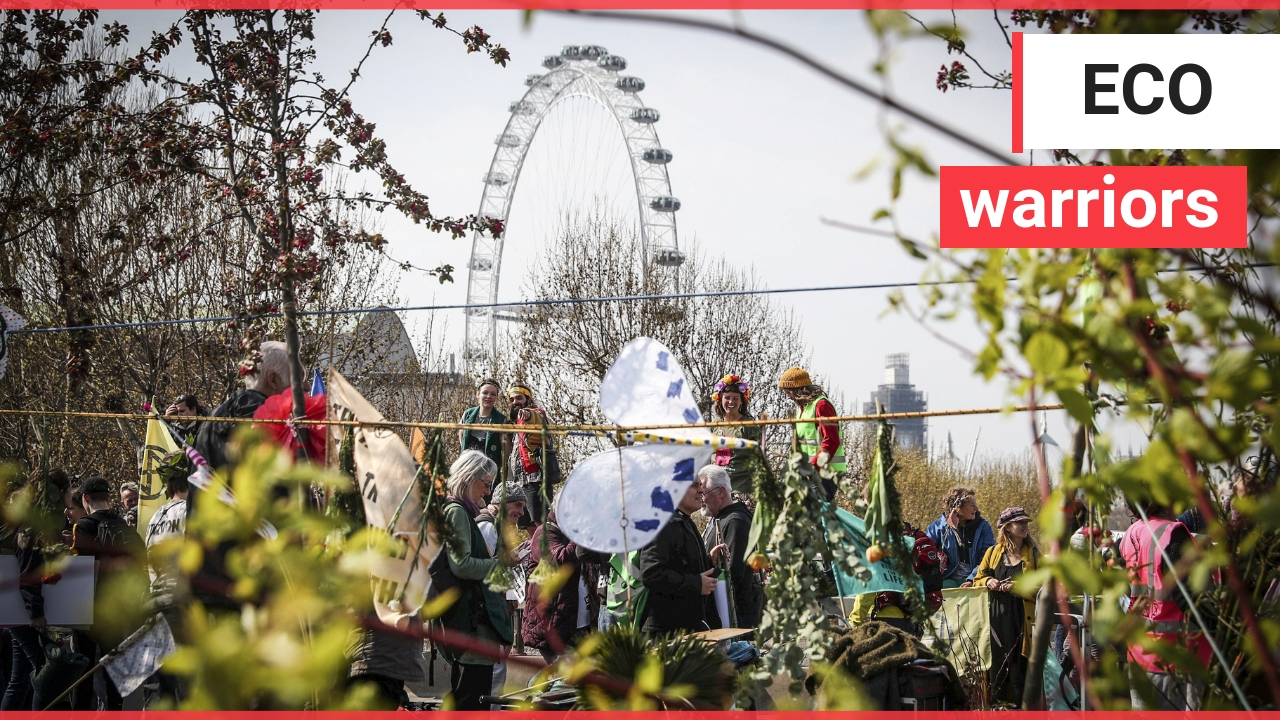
(496, 492)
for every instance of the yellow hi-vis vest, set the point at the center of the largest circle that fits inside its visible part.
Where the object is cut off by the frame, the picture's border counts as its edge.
(810, 438)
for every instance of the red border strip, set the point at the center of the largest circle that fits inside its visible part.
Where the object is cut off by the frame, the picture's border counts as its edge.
(1017, 92)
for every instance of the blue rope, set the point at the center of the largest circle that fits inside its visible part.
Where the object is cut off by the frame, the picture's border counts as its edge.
(414, 308)
(564, 301)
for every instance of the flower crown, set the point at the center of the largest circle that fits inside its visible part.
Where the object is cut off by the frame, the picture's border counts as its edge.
(732, 383)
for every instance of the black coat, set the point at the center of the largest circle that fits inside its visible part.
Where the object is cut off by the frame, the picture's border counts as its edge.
(735, 526)
(670, 568)
(211, 438)
(212, 584)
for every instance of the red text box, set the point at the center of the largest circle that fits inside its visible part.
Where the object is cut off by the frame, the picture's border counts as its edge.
(1093, 207)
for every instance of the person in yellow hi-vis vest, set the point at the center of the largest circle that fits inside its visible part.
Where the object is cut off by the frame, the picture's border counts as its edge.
(820, 441)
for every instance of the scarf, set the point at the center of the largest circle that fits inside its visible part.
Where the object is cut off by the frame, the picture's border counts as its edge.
(470, 507)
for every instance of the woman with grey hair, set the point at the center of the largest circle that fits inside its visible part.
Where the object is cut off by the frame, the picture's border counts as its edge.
(479, 612)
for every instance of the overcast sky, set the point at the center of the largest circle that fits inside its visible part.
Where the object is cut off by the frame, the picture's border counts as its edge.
(764, 147)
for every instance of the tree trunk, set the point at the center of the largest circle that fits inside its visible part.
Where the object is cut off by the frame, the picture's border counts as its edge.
(290, 310)
(1033, 696)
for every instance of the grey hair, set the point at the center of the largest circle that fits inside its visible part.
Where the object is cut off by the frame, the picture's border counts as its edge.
(275, 359)
(130, 486)
(471, 465)
(715, 476)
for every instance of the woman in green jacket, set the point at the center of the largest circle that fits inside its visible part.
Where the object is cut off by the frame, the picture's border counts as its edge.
(479, 612)
(497, 446)
(1015, 553)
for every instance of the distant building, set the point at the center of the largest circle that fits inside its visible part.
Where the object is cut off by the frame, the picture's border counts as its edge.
(377, 357)
(897, 394)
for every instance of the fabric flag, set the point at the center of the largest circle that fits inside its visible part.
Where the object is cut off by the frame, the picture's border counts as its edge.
(963, 625)
(385, 476)
(883, 577)
(202, 478)
(10, 321)
(150, 485)
(317, 385)
(140, 655)
(617, 501)
(418, 445)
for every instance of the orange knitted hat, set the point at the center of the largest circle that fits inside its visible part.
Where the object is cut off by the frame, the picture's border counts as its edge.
(794, 378)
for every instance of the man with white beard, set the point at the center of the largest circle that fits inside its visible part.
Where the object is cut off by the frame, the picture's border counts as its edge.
(730, 526)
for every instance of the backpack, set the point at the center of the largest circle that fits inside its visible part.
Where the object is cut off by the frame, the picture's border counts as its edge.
(928, 563)
(110, 536)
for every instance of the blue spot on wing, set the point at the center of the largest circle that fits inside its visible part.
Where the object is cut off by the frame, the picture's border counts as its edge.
(691, 415)
(661, 499)
(673, 390)
(683, 471)
(662, 360)
(647, 525)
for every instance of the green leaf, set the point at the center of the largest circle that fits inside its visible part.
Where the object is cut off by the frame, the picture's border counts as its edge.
(1237, 378)
(1046, 353)
(1185, 431)
(1078, 406)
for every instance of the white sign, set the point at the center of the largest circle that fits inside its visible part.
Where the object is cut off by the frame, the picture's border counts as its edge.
(67, 603)
(1204, 91)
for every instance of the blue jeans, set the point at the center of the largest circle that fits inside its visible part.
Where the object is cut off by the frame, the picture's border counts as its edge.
(27, 656)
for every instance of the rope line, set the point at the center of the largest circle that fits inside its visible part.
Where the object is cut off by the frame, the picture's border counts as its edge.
(538, 303)
(494, 305)
(551, 429)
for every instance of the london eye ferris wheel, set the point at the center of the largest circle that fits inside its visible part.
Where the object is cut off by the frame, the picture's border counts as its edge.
(579, 132)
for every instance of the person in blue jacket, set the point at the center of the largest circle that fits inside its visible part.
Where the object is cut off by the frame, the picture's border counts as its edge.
(962, 535)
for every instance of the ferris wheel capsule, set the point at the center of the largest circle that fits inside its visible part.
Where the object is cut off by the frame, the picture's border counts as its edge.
(532, 79)
(508, 140)
(591, 52)
(571, 52)
(668, 258)
(646, 115)
(657, 156)
(665, 203)
(629, 84)
(550, 62)
(522, 107)
(612, 63)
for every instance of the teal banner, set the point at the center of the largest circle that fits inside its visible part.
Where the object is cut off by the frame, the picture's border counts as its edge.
(883, 577)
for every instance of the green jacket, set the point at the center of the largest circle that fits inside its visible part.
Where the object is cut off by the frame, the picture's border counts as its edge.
(492, 440)
(479, 612)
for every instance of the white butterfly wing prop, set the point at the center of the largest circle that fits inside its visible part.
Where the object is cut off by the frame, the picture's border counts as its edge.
(646, 386)
(617, 501)
(599, 513)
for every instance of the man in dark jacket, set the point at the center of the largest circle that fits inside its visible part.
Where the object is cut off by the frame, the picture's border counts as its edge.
(122, 581)
(269, 376)
(730, 525)
(678, 573)
(31, 544)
